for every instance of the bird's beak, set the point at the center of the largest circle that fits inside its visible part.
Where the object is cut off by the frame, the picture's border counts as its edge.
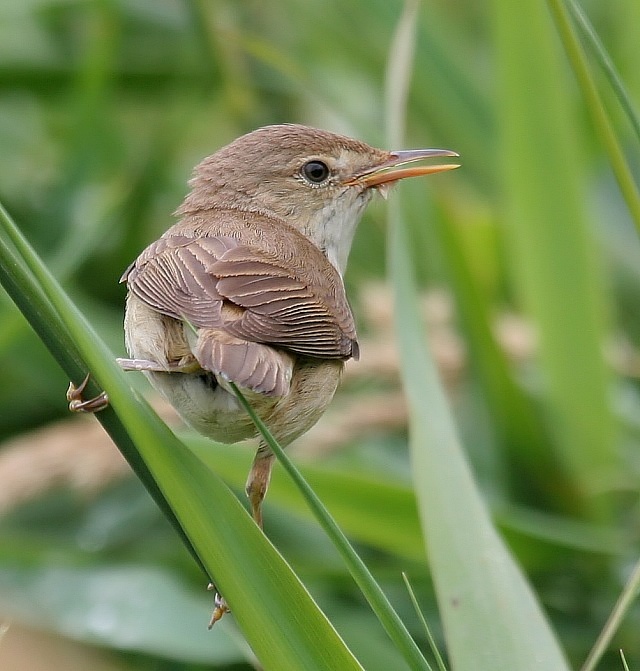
(392, 169)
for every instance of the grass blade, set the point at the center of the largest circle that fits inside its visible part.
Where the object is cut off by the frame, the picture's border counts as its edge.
(491, 618)
(596, 109)
(551, 246)
(369, 587)
(279, 619)
(607, 65)
(425, 626)
(621, 608)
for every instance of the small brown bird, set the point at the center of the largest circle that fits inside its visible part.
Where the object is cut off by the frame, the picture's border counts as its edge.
(247, 286)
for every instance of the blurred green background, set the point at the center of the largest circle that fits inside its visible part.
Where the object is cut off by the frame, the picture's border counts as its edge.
(530, 268)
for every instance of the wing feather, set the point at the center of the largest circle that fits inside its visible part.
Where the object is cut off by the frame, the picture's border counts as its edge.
(250, 365)
(290, 313)
(245, 302)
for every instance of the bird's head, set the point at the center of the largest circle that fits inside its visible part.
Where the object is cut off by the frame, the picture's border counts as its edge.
(315, 181)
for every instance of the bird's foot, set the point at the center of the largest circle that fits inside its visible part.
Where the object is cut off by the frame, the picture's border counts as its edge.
(78, 404)
(219, 606)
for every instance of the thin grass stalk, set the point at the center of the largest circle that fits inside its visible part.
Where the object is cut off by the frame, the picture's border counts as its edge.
(377, 599)
(625, 666)
(310, 641)
(621, 608)
(416, 606)
(491, 618)
(606, 63)
(399, 72)
(19, 274)
(597, 110)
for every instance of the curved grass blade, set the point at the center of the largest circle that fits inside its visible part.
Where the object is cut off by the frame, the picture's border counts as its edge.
(552, 249)
(365, 581)
(606, 63)
(425, 626)
(628, 595)
(492, 619)
(280, 621)
(23, 288)
(595, 107)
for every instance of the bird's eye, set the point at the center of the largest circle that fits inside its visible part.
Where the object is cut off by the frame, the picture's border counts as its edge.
(315, 172)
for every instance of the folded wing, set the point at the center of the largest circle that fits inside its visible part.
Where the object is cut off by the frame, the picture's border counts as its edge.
(248, 307)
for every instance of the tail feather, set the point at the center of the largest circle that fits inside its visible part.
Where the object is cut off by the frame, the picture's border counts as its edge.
(250, 365)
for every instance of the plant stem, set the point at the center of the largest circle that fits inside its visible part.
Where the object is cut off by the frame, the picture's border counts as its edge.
(596, 108)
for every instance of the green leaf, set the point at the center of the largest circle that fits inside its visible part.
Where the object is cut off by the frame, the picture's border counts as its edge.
(382, 513)
(596, 109)
(491, 617)
(550, 244)
(283, 625)
(371, 509)
(378, 601)
(606, 63)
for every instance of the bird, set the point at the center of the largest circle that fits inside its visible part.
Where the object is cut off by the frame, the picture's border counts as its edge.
(246, 290)
(247, 287)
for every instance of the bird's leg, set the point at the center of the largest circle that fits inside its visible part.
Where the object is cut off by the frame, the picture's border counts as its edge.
(78, 404)
(256, 488)
(139, 364)
(187, 364)
(258, 481)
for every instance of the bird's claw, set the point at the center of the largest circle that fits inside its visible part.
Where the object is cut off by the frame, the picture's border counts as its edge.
(220, 606)
(78, 404)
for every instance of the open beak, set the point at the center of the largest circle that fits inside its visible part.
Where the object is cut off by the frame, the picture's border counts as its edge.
(392, 170)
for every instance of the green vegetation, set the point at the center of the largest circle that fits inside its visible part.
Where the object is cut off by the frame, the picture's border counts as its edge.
(523, 264)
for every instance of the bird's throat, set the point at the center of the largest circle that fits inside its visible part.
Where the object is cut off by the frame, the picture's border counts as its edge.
(333, 228)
